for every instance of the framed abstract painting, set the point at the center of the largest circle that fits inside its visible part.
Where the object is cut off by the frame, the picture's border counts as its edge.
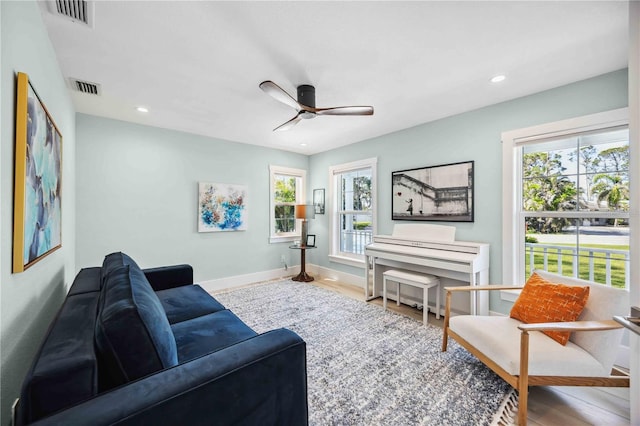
(37, 217)
(222, 207)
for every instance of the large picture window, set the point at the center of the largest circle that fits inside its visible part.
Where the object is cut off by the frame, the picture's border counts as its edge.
(352, 195)
(570, 210)
(287, 187)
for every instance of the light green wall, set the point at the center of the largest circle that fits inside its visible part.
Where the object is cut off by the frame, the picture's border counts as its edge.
(137, 192)
(474, 136)
(137, 186)
(29, 300)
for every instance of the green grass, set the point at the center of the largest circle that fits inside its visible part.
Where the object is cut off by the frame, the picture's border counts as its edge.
(599, 263)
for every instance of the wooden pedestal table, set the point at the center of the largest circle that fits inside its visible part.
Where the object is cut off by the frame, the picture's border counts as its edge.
(302, 276)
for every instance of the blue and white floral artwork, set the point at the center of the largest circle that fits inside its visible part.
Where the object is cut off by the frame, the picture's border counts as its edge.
(222, 207)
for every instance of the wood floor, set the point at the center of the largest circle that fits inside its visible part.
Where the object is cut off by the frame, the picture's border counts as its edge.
(548, 405)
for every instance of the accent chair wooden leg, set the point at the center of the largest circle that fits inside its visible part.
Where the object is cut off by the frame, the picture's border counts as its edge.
(523, 379)
(445, 328)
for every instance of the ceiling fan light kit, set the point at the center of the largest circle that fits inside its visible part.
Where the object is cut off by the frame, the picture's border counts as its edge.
(305, 105)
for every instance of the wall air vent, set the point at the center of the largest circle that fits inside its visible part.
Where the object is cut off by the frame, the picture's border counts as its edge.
(80, 11)
(85, 87)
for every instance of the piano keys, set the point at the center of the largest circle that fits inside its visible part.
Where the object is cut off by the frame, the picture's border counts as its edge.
(430, 249)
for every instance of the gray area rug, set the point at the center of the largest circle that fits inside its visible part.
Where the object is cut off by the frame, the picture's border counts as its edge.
(367, 366)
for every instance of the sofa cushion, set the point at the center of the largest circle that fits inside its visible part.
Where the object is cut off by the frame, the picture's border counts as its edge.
(209, 333)
(498, 338)
(187, 302)
(114, 261)
(543, 301)
(133, 336)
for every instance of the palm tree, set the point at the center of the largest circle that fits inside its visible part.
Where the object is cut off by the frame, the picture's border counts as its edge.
(612, 189)
(545, 188)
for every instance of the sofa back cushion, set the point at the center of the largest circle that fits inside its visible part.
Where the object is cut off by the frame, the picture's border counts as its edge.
(114, 261)
(133, 335)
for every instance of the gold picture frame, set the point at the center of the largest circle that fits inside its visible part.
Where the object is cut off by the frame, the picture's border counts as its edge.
(37, 204)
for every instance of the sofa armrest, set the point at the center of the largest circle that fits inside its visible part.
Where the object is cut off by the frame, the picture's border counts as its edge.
(165, 277)
(571, 326)
(261, 380)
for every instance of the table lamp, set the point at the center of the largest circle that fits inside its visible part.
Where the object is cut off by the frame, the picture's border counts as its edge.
(304, 212)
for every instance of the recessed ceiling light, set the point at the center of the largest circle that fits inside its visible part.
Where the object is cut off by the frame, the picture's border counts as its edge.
(142, 109)
(303, 144)
(498, 78)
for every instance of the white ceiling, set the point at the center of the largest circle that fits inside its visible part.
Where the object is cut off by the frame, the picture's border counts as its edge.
(197, 65)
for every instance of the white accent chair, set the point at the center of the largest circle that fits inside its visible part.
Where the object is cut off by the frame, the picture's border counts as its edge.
(523, 356)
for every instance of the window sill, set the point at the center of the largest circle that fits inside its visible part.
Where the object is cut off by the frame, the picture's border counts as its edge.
(509, 295)
(350, 261)
(287, 239)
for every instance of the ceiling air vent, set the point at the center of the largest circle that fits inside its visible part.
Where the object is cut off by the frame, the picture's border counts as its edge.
(85, 86)
(80, 11)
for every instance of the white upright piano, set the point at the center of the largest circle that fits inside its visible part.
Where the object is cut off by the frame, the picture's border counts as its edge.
(430, 249)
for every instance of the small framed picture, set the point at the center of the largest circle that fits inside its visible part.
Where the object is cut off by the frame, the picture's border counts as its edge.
(311, 240)
(318, 200)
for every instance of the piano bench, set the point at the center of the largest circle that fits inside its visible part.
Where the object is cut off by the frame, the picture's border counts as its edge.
(424, 281)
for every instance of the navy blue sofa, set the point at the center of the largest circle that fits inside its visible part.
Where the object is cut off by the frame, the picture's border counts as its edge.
(132, 346)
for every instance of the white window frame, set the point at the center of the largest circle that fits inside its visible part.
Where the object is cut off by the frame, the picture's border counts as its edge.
(334, 217)
(300, 199)
(513, 258)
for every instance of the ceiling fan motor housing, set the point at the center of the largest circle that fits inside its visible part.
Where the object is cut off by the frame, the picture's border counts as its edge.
(307, 95)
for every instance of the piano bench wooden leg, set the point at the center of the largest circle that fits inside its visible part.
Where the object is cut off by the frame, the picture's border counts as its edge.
(384, 293)
(425, 308)
(438, 301)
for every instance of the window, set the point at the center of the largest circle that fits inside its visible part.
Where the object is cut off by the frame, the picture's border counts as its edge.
(352, 194)
(287, 189)
(569, 212)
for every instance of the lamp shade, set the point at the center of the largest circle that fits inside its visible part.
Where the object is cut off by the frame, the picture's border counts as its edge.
(305, 211)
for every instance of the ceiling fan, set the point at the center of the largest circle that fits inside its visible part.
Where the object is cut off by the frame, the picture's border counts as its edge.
(306, 104)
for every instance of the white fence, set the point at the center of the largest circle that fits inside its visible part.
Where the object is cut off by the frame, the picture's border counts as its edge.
(355, 241)
(546, 250)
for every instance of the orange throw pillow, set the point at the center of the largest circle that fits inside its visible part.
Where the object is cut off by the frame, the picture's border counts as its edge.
(544, 301)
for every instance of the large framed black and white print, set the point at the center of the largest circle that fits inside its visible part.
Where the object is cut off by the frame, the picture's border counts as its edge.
(439, 193)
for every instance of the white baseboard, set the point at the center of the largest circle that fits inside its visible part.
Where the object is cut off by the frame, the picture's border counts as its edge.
(246, 279)
(274, 274)
(314, 270)
(332, 274)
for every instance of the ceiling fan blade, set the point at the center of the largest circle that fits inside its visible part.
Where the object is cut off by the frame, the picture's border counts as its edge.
(289, 124)
(278, 93)
(345, 110)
